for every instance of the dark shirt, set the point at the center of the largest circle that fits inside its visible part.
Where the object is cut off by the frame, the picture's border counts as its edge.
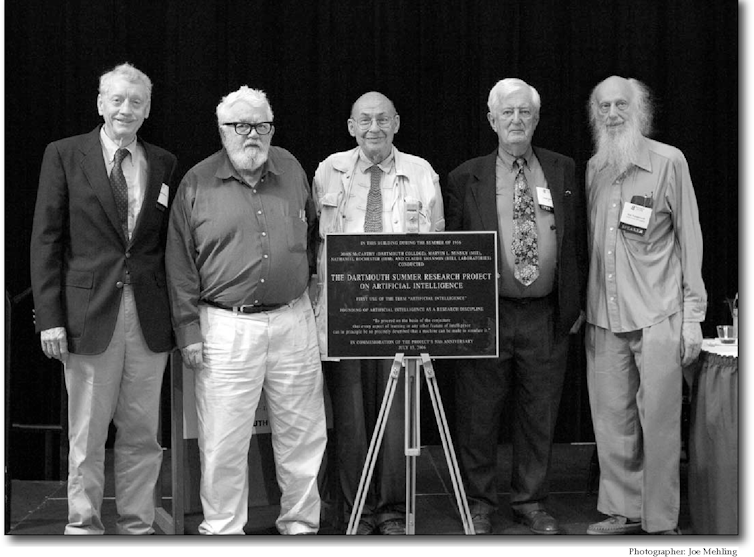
(232, 244)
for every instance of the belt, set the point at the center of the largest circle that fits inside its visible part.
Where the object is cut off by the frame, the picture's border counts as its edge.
(528, 300)
(259, 308)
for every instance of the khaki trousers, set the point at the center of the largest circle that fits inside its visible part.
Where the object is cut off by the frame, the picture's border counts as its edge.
(121, 385)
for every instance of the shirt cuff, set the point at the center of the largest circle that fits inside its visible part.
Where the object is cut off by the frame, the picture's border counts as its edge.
(189, 334)
(694, 312)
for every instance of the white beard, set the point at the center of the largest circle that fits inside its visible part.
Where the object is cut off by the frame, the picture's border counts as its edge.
(617, 151)
(244, 160)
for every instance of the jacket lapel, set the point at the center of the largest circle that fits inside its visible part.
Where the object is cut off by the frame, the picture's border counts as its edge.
(554, 175)
(483, 190)
(152, 190)
(93, 166)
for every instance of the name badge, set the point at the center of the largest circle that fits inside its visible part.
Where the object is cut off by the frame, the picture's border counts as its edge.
(413, 206)
(544, 198)
(635, 218)
(162, 199)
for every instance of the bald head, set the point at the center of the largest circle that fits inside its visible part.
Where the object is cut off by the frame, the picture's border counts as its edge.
(370, 99)
(374, 123)
(617, 99)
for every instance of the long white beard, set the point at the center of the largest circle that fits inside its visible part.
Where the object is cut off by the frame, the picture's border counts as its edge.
(618, 150)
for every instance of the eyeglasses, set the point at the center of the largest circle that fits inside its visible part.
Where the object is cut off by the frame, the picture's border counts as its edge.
(523, 113)
(244, 128)
(365, 123)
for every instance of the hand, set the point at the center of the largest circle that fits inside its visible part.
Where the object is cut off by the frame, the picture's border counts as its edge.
(313, 290)
(579, 322)
(192, 356)
(691, 342)
(55, 343)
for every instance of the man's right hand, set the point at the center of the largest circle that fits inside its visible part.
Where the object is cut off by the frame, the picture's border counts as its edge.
(192, 356)
(55, 343)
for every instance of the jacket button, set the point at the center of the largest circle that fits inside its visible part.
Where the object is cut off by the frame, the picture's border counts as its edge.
(119, 284)
(128, 254)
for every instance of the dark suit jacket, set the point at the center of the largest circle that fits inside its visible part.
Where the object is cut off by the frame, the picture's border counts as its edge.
(471, 205)
(79, 254)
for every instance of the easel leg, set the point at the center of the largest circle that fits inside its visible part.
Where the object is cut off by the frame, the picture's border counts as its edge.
(412, 441)
(447, 444)
(374, 446)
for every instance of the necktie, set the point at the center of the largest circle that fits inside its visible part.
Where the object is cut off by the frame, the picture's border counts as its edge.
(373, 217)
(524, 243)
(120, 189)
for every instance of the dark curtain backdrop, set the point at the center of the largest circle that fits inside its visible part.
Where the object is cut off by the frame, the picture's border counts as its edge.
(437, 61)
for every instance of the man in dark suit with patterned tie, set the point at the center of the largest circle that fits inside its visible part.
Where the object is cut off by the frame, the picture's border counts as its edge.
(530, 197)
(101, 301)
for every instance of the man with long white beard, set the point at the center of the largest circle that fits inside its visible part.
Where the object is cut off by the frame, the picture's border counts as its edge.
(645, 301)
(239, 260)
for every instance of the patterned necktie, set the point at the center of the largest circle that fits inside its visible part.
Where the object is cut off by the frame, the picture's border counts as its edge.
(120, 189)
(373, 217)
(524, 243)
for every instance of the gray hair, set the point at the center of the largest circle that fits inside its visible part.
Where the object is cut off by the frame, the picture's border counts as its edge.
(506, 86)
(642, 100)
(255, 97)
(127, 72)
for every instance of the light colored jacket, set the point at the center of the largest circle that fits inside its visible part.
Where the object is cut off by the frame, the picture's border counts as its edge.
(415, 184)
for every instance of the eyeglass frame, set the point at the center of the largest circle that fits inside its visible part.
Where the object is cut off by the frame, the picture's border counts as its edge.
(389, 121)
(251, 127)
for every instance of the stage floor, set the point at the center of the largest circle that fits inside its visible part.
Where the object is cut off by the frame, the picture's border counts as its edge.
(39, 508)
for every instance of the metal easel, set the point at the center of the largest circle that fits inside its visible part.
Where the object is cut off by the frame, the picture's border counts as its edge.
(412, 442)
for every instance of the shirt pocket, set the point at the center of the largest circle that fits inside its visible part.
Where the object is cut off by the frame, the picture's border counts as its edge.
(328, 217)
(296, 233)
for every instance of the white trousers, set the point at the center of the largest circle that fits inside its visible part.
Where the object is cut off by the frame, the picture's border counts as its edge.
(635, 388)
(121, 385)
(276, 351)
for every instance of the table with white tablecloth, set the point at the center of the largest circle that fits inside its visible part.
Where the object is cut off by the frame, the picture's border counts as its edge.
(713, 440)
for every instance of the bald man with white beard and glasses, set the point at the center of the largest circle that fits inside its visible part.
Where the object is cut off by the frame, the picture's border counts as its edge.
(239, 259)
(645, 302)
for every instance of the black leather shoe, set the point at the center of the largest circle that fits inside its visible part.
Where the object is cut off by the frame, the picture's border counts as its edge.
(482, 524)
(365, 528)
(539, 522)
(393, 527)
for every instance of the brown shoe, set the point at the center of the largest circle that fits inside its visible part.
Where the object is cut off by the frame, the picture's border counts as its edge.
(539, 522)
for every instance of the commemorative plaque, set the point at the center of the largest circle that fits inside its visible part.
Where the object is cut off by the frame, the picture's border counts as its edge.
(412, 294)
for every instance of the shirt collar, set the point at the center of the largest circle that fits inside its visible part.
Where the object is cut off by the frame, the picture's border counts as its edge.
(643, 159)
(386, 165)
(507, 159)
(110, 146)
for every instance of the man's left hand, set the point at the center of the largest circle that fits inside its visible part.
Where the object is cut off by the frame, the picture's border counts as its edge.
(579, 322)
(691, 342)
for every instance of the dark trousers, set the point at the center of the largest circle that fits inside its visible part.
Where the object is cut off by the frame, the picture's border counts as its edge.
(529, 374)
(357, 388)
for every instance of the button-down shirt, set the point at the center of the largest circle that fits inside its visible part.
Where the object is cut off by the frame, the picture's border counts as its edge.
(134, 169)
(234, 244)
(636, 280)
(505, 179)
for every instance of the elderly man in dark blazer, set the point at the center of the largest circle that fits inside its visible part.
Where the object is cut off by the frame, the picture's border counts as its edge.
(530, 197)
(101, 301)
